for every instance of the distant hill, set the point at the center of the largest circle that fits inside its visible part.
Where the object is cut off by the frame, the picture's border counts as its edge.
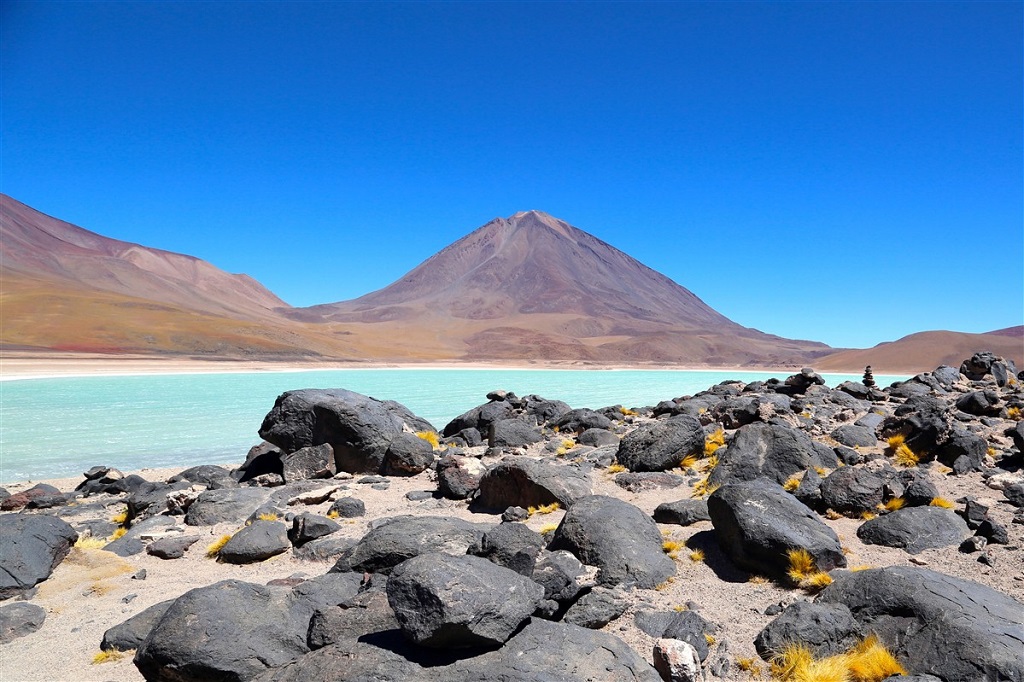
(534, 287)
(525, 288)
(925, 351)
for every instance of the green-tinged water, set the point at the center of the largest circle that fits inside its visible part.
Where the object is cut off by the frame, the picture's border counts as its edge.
(60, 427)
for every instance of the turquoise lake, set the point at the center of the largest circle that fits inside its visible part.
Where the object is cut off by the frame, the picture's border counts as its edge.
(53, 428)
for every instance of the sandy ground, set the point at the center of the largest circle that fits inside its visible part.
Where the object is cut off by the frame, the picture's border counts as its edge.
(15, 366)
(93, 590)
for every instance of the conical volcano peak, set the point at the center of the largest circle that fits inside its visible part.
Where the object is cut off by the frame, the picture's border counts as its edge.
(534, 218)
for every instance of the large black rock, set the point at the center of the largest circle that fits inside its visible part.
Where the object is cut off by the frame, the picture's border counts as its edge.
(826, 629)
(770, 451)
(616, 537)
(130, 634)
(915, 529)
(758, 523)
(18, 619)
(225, 505)
(526, 482)
(459, 601)
(31, 546)
(405, 537)
(661, 445)
(359, 428)
(955, 629)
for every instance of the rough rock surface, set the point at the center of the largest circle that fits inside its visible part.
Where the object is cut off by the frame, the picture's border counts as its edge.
(130, 634)
(661, 445)
(256, 542)
(31, 546)
(527, 482)
(955, 629)
(758, 522)
(825, 628)
(771, 451)
(915, 529)
(405, 537)
(616, 537)
(447, 601)
(18, 619)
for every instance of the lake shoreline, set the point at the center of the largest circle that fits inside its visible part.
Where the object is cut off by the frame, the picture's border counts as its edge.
(17, 366)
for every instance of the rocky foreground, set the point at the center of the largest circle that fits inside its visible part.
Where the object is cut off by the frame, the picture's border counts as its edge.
(777, 529)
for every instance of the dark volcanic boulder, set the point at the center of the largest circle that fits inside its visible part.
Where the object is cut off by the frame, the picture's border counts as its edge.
(956, 629)
(256, 542)
(622, 541)
(758, 522)
(171, 547)
(457, 601)
(208, 475)
(513, 433)
(407, 455)
(130, 634)
(648, 480)
(582, 419)
(18, 619)
(685, 626)
(853, 489)
(915, 529)
(227, 505)
(348, 508)
(405, 537)
(853, 436)
(682, 512)
(458, 477)
(661, 445)
(480, 418)
(314, 461)
(307, 526)
(36, 496)
(360, 429)
(31, 546)
(526, 482)
(230, 631)
(596, 608)
(541, 651)
(511, 545)
(825, 629)
(770, 451)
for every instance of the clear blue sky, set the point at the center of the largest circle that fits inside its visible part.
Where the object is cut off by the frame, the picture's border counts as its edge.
(844, 172)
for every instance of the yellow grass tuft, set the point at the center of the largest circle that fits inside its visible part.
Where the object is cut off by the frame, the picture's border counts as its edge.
(713, 442)
(894, 504)
(868, 515)
(89, 542)
(615, 468)
(703, 488)
(268, 516)
(665, 585)
(991, 451)
(333, 514)
(860, 567)
(817, 581)
(543, 509)
(801, 564)
(671, 547)
(110, 655)
(792, 483)
(755, 579)
(942, 502)
(869, 661)
(568, 443)
(901, 452)
(697, 556)
(749, 665)
(832, 514)
(679, 608)
(626, 412)
(710, 463)
(548, 528)
(895, 441)
(213, 549)
(710, 639)
(1013, 413)
(821, 471)
(688, 461)
(430, 437)
(117, 533)
(119, 518)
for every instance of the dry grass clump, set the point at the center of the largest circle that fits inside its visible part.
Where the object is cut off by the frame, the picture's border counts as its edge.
(213, 549)
(756, 579)
(1013, 413)
(333, 514)
(660, 587)
(868, 661)
(942, 502)
(430, 437)
(111, 655)
(671, 548)
(117, 533)
(626, 412)
(792, 483)
(268, 516)
(749, 665)
(894, 504)
(89, 542)
(901, 452)
(832, 514)
(803, 571)
(688, 461)
(860, 567)
(697, 556)
(704, 487)
(713, 442)
(868, 515)
(548, 528)
(816, 581)
(615, 468)
(543, 509)
(710, 639)
(119, 518)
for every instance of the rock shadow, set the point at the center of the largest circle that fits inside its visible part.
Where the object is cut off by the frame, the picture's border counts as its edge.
(715, 558)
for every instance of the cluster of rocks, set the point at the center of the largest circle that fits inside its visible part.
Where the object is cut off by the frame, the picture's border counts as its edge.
(434, 597)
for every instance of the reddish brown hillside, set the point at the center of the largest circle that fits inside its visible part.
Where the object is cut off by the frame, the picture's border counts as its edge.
(924, 351)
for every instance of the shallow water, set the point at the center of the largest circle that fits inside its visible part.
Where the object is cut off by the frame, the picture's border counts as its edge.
(52, 428)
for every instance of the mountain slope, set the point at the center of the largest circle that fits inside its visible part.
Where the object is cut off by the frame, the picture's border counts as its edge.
(534, 287)
(924, 351)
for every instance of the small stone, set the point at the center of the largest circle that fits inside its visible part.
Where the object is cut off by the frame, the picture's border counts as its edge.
(348, 508)
(973, 544)
(987, 559)
(128, 598)
(381, 486)
(676, 661)
(139, 574)
(515, 514)
(418, 495)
